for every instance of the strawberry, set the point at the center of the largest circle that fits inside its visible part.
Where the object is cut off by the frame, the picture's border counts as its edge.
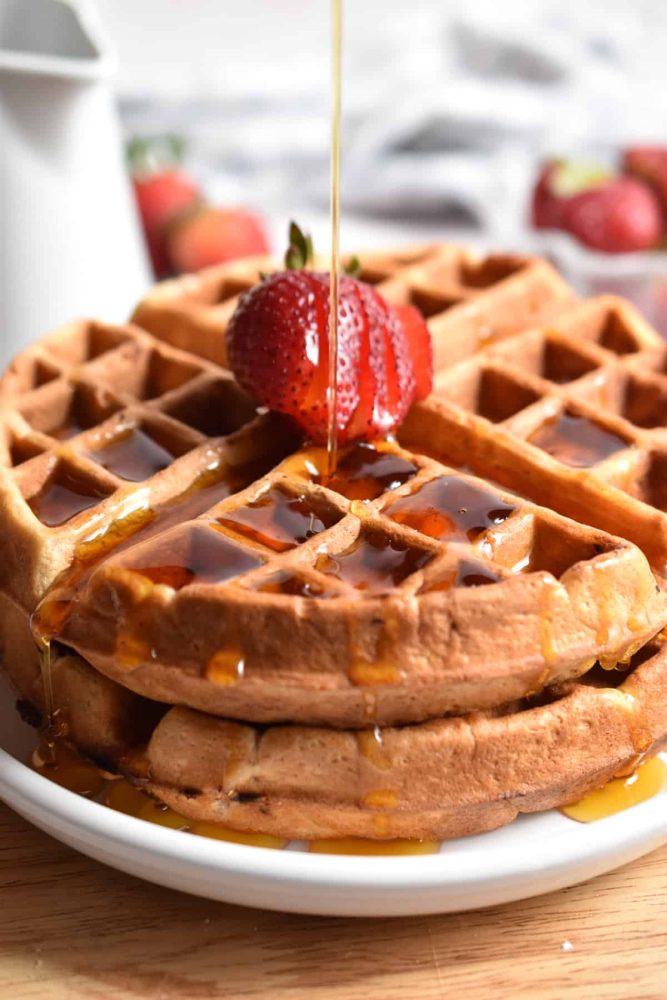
(558, 181)
(162, 190)
(278, 348)
(546, 206)
(620, 216)
(214, 235)
(649, 164)
(420, 347)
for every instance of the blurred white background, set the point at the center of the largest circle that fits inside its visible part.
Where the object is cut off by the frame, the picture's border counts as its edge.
(448, 108)
(446, 105)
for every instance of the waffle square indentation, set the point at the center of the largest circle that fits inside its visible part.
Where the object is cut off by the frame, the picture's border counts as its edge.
(84, 342)
(75, 410)
(156, 374)
(488, 392)
(67, 492)
(214, 408)
(365, 472)
(467, 573)
(194, 553)
(450, 507)
(279, 519)
(576, 440)
(640, 399)
(134, 453)
(609, 328)
(375, 561)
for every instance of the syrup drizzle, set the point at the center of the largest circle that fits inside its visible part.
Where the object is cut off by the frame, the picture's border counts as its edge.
(374, 562)
(278, 519)
(332, 391)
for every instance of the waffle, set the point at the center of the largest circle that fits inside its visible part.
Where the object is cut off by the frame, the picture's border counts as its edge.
(207, 572)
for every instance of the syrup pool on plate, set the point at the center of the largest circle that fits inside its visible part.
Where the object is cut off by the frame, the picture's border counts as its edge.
(647, 780)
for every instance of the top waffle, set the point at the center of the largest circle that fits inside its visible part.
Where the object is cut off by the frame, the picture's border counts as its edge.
(212, 565)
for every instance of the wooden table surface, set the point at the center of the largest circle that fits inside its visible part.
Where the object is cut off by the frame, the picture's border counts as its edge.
(71, 929)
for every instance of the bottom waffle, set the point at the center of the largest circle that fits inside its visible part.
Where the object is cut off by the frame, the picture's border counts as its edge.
(436, 780)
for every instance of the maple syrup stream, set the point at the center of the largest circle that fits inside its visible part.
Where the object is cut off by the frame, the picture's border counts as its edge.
(336, 88)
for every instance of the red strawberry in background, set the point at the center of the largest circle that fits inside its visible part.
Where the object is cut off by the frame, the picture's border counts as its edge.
(278, 348)
(162, 189)
(557, 181)
(613, 214)
(212, 236)
(546, 205)
(620, 216)
(649, 164)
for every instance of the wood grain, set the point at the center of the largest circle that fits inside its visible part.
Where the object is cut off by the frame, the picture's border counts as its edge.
(71, 929)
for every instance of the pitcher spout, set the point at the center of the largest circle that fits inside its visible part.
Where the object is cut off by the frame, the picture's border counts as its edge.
(58, 38)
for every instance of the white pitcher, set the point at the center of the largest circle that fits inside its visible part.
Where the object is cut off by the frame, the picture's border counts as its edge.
(70, 243)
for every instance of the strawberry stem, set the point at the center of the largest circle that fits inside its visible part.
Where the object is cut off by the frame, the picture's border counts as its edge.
(352, 267)
(151, 155)
(300, 252)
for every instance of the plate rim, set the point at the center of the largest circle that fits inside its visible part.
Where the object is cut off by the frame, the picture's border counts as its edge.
(584, 845)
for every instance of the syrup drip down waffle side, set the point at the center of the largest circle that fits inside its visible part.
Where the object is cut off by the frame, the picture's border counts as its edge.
(434, 780)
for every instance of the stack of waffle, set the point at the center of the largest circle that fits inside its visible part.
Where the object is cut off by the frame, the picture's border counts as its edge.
(410, 648)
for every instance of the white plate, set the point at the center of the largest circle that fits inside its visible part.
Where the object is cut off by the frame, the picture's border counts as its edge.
(534, 855)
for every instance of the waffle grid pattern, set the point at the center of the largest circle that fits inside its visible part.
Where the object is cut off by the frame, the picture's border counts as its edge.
(574, 415)
(372, 547)
(93, 411)
(77, 395)
(102, 417)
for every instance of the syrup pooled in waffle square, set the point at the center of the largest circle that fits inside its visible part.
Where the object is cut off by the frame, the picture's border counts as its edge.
(466, 298)
(104, 431)
(573, 415)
